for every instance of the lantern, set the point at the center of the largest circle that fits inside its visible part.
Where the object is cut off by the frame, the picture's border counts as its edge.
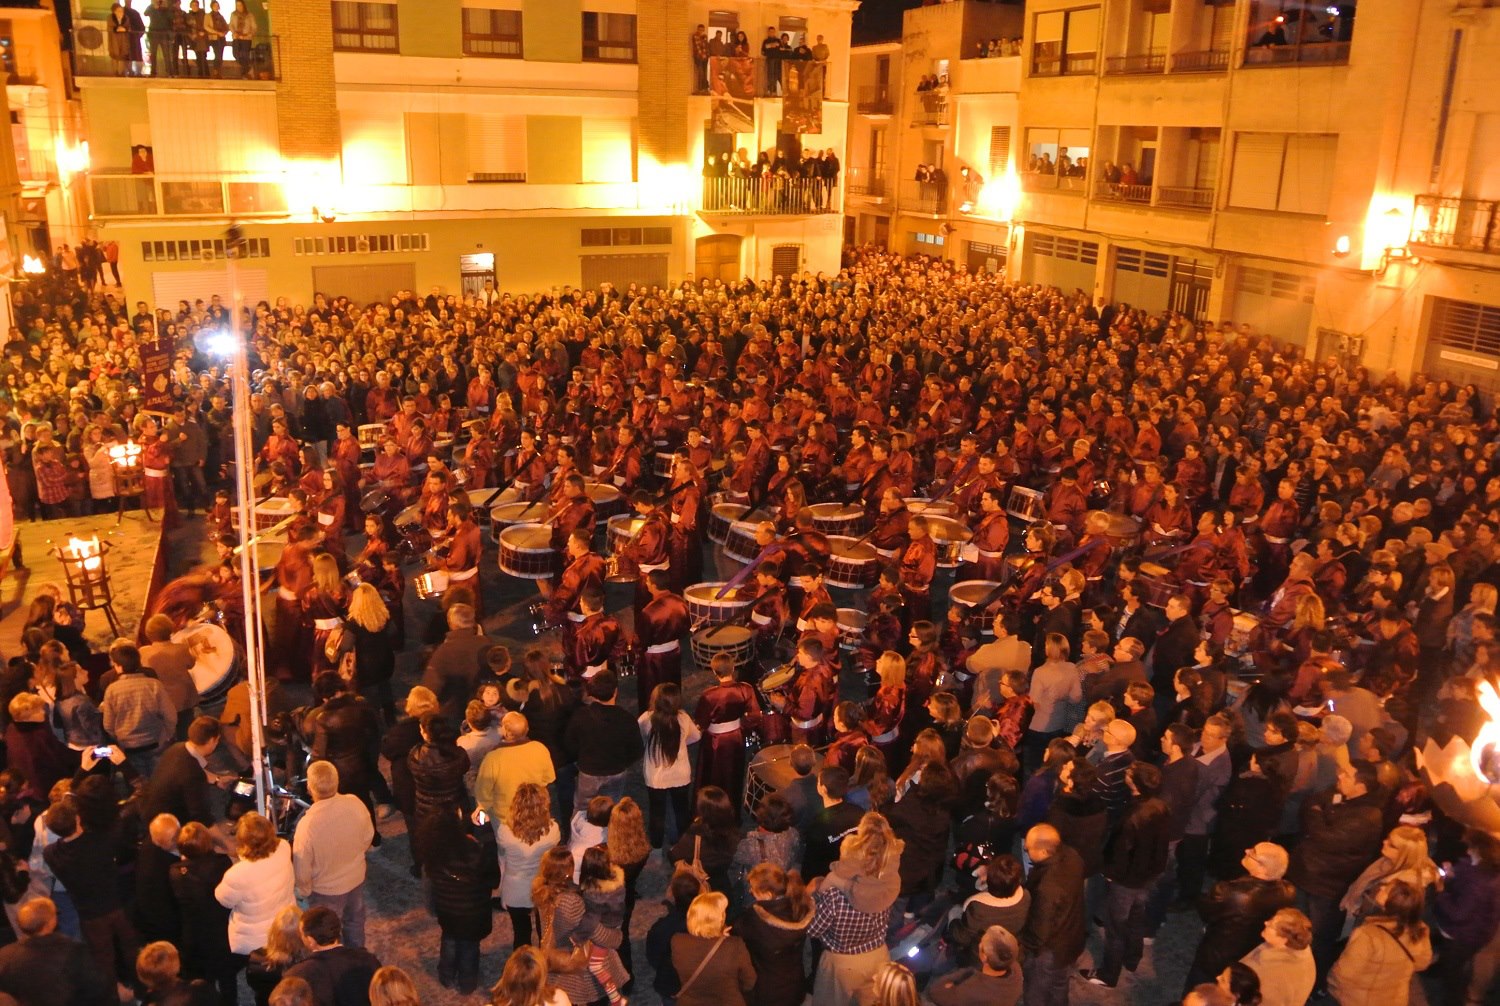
(87, 575)
(130, 476)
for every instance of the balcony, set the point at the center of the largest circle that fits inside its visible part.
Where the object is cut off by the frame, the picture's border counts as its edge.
(870, 185)
(1150, 62)
(1047, 61)
(768, 196)
(1314, 53)
(259, 59)
(751, 77)
(924, 197)
(1471, 225)
(874, 99)
(1181, 197)
(932, 110)
(1205, 61)
(1114, 192)
(127, 195)
(1047, 181)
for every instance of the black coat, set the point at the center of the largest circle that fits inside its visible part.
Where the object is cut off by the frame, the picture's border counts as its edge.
(346, 731)
(775, 943)
(1338, 841)
(1137, 851)
(1234, 912)
(1083, 823)
(438, 786)
(397, 744)
(52, 970)
(1173, 650)
(1056, 920)
(178, 787)
(156, 915)
(462, 876)
(920, 819)
(453, 670)
(1249, 812)
(205, 923)
(339, 976)
(374, 653)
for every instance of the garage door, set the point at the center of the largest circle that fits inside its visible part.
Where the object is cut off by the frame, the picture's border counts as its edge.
(982, 256)
(201, 284)
(364, 284)
(622, 270)
(1463, 342)
(1061, 262)
(1142, 279)
(1278, 304)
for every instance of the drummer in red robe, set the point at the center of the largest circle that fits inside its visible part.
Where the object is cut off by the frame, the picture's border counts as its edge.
(918, 565)
(810, 698)
(823, 625)
(345, 456)
(969, 491)
(806, 545)
(530, 471)
(1143, 494)
(684, 509)
(658, 637)
(584, 570)
(1066, 503)
(479, 460)
(1279, 525)
(814, 594)
(332, 511)
(292, 578)
(768, 607)
(280, 446)
(849, 736)
(596, 642)
(985, 558)
(877, 478)
(156, 464)
(382, 401)
(739, 486)
(1096, 539)
(624, 467)
(1031, 565)
(1169, 522)
(464, 549)
(887, 707)
(323, 605)
(576, 512)
(892, 526)
(391, 472)
(726, 710)
(650, 549)
(432, 506)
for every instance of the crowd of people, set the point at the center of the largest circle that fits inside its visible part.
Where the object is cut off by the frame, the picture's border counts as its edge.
(776, 49)
(1225, 593)
(181, 38)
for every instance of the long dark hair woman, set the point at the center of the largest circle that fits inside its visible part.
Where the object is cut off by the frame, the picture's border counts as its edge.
(667, 731)
(712, 837)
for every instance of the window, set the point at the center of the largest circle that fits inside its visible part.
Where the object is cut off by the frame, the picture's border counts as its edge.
(795, 28)
(1278, 285)
(936, 240)
(722, 24)
(605, 237)
(360, 244)
(1068, 249)
(187, 251)
(1286, 172)
(1136, 260)
(1293, 31)
(608, 38)
(1056, 158)
(999, 150)
(364, 27)
(1065, 42)
(492, 32)
(786, 259)
(1459, 325)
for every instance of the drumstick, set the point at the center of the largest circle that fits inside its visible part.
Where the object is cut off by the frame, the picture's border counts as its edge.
(510, 482)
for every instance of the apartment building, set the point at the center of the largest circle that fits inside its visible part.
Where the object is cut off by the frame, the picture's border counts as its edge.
(1321, 171)
(369, 147)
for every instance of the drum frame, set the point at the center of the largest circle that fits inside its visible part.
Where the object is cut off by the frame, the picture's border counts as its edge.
(531, 570)
(861, 573)
(715, 610)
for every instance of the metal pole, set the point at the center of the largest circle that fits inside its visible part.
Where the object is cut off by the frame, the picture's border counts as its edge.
(244, 478)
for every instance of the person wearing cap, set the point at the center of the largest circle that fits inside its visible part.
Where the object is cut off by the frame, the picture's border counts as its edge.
(996, 982)
(1234, 911)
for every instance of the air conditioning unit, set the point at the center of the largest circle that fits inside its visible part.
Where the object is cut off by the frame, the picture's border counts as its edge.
(92, 38)
(207, 254)
(362, 245)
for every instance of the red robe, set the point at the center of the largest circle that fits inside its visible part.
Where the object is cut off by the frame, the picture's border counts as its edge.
(582, 573)
(661, 624)
(725, 712)
(845, 749)
(596, 643)
(810, 702)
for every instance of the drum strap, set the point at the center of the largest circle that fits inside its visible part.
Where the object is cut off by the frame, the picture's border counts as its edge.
(463, 574)
(724, 728)
(593, 669)
(808, 724)
(648, 568)
(886, 737)
(667, 647)
(1277, 541)
(155, 473)
(760, 619)
(575, 616)
(327, 624)
(284, 594)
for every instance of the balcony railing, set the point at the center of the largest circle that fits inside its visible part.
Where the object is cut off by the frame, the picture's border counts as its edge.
(1182, 197)
(1463, 224)
(1150, 62)
(1116, 193)
(874, 99)
(742, 72)
(1205, 61)
(932, 110)
(769, 195)
(1041, 181)
(924, 197)
(862, 182)
(1046, 61)
(256, 59)
(1327, 53)
(126, 195)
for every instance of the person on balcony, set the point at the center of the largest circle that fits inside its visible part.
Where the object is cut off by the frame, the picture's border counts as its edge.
(699, 43)
(242, 30)
(772, 48)
(160, 25)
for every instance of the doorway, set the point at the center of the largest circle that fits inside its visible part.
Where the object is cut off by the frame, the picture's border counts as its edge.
(474, 270)
(718, 258)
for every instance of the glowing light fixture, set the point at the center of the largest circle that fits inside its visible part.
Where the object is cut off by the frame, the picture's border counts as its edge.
(33, 266)
(1342, 245)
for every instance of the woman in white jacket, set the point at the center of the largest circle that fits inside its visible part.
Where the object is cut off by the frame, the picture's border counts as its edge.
(258, 886)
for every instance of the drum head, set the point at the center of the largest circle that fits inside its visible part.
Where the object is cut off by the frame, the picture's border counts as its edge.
(947, 529)
(213, 653)
(853, 618)
(779, 678)
(707, 593)
(411, 515)
(510, 513)
(601, 493)
(845, 547)
(722, 636)
(528, 537)
(972, 592)
(732, 512)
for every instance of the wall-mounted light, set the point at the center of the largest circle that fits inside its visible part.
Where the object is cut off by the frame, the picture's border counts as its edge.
(1342, 245)
(33, 266)
(1391, 232)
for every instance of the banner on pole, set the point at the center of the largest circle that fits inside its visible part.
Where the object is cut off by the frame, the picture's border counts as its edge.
(156, 376)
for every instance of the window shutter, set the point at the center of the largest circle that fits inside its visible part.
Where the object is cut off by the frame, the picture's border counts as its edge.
(1083, 31)
(197, 133)
(608, 150)
(1256, 176)
(374, 147)
(1307, 174)
(999, 150)
(497, 145)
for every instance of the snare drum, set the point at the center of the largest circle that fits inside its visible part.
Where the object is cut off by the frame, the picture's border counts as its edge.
(1015, 567)
(1027, 505)
(924, 507)
(837, 518)
(1244, 636)
(1124, 530)
(741, 545)
(662, 465)
(370, 434)
(852, 564)
(477, 500)
(777, 681)
(431, 584)
(721, 518)
(510, 514)
(770, 770)
(1156, 583)
(621, 531)
(970, 595)
(705, 606)
(735, 640)
(443, 446)
(949, 535)
(852, 622)
(607, 500)
(268, 554)
(526, 552)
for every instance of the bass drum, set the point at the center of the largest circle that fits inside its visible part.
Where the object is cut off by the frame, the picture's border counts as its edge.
(215, 658)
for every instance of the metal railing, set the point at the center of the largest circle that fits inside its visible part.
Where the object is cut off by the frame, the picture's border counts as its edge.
(932, 111)
(1116, 193)
(1184, 197)
(924, 197)
(96, 54)
(1204, 61)
(1048, 62)
(862, 182)
(765, 83)
(1150, 62)
(1453, 222)
(128, 195)
(769, 195)
(1326, 53)
(874, 99)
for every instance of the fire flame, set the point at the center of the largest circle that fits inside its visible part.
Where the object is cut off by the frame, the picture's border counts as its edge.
(85, 552)
(1484, 753)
